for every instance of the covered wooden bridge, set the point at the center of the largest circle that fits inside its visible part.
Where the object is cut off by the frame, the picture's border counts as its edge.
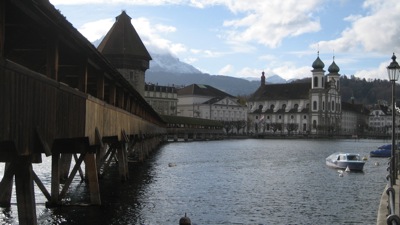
(60, 96)
(189, 128)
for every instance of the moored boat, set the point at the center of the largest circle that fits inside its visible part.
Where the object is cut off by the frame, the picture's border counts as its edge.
(382, 151)
(350, 161)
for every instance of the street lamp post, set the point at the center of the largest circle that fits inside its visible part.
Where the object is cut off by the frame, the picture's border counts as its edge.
(393, 73)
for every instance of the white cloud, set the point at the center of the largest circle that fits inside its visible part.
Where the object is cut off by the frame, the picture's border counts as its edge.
(378, 73)
(129, 2)
(249, 73)
(290, 72)
(269, 22)
(226, 70)
(96, 29)
(377, 31)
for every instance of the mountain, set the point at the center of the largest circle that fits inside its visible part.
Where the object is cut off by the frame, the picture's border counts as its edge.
(168, 63)
(170, 71)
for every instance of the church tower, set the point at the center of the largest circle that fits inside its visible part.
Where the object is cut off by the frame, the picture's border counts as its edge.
(333, 76)
(123, 47)
(318, 74)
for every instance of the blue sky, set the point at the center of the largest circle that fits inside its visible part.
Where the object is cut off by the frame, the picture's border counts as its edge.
(242, 38)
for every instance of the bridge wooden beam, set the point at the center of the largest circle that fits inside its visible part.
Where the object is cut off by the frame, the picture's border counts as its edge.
(100, 86)
(2, 27)
(83, 79)
(52, 58)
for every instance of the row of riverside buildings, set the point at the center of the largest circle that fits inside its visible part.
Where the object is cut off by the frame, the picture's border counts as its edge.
(312, 106)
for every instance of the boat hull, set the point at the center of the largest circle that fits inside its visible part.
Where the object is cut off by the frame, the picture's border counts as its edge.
(383, 151)
(351, 161)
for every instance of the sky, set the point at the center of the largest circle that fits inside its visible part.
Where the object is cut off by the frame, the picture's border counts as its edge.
(242, 38)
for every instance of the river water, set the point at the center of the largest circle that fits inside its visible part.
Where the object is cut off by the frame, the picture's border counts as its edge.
(253, 181)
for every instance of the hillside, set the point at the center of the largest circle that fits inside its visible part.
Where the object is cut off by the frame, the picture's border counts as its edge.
(167, 70)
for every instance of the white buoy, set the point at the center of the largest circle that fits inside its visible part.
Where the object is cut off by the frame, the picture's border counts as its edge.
(376, 163)
(340, 174)
(347, 169)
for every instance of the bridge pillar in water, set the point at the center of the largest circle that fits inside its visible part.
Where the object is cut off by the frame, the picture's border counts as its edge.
(175, 137)
(186, 136)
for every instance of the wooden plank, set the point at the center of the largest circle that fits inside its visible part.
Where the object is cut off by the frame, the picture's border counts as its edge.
(6, 185)
(55, 179)
(2, 27)
(25, 191)
(94, 189)
(52, 58)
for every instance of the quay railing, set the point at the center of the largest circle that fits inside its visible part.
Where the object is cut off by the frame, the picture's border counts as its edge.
(392, 218)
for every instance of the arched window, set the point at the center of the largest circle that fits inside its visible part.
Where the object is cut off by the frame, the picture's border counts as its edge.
(314, 105)
(284, 106)
(315, 81)
(296, 106)
(333, 105)
(272, 106)
(323, 105)
(260, 107)
(314, 124)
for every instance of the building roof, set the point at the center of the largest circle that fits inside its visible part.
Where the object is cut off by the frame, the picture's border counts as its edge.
(123, 42)
(318, 64)
(282, 91)
(159, 88)
(202, 90)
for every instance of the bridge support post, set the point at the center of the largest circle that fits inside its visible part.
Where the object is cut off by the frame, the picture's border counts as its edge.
(93, 180)
(6, 186)
(25, 191)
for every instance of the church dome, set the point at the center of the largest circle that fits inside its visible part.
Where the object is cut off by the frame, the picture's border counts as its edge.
(318, 64)
(333, 68)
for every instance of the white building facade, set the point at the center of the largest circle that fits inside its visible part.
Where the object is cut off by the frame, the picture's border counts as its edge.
(204, 101)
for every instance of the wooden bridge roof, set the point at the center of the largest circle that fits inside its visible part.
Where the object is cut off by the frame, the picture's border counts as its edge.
(36, 35)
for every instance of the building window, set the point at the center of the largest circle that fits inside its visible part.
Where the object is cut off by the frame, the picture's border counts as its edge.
(323, 105)
(315, 105)
(314, 124)
(305, 117)
(333, 105)
(315, 81)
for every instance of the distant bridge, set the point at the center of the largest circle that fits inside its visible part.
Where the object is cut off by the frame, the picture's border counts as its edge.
(188, 128)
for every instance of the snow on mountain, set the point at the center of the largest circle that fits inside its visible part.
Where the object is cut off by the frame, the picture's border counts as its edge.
(168, 63)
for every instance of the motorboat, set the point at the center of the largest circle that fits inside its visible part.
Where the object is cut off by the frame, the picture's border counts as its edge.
(382, 151)
(347, 161)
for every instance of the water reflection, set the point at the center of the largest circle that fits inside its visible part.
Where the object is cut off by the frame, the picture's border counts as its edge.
(231, 182)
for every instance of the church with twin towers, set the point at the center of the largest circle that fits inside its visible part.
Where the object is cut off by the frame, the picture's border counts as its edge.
(309, 107)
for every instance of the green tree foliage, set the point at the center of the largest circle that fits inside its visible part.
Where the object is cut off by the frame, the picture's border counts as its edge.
(367, 92)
